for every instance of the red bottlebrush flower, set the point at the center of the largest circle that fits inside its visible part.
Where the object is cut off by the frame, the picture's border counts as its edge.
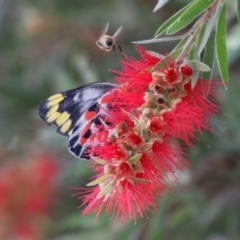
(186, 70)
(135, 153)
(27, 192)
(157, 126)
(171, 74)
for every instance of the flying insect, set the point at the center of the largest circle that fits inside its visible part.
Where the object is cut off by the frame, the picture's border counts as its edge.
(107, 42)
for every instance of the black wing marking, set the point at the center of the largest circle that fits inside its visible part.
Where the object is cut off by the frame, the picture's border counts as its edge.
(69, 110)
(65, 109)
(82, 138)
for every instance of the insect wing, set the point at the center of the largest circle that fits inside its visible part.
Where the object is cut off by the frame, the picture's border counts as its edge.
(73, 112)
(117, 32)
(105, 29)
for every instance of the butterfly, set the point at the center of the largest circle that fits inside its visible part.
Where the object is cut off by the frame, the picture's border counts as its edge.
(75, 112)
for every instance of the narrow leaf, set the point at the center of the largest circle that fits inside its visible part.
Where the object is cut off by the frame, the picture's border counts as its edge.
(200, 37)
(105, 188)
(103, 192)
(208, 57)
(199, 66)
(140, 180)
(98, 160)
(176, 26)
(156, 40)
(195, 9)
(221, 47)
(208, 28)
(194, 78)
(135, 158)
(147, 146)
(201, 33)
(189, 44)
(171, 20)
(181, 43)
(99, 180)
(157, 55)
(193, 52)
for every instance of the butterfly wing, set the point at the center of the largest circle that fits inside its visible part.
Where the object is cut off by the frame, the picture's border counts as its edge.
(73, 112)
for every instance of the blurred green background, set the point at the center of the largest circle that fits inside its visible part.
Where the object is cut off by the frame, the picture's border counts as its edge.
(49, 46)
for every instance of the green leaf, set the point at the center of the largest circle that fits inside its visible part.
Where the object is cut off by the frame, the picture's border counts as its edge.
(135, 158)
(98, 160)
(201, 33)
(140, 180)
(208, 29)
(194, 78)
(171, 20)
(209, 56)
(187, 44)
(221, 47)
(146, 146)
(99, 180)
(106, 188)
(157, 55)
(181, 43)
(176, 26)
(195, 9)
(156, 40)
(199, 66)
(193, 52)
(238, 11)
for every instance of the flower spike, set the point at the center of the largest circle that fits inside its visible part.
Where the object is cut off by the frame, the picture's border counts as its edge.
(135, 154)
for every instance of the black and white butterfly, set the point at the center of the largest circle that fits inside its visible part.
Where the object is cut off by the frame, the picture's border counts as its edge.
(75, 112)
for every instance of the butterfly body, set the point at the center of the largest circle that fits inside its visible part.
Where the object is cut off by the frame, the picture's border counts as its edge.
(75, 112)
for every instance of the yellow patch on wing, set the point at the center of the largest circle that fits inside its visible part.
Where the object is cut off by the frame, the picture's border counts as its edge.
(62, 118)
(65, 127)
(55, 99)
(52, 110)
(70, 132)
(53, 117)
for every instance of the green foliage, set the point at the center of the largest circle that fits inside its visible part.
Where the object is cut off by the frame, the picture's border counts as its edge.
(221, 47)
(208, 13)
(178, 25)
(195, 9)
(199, 66)
(208, 57)
(171, 20)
